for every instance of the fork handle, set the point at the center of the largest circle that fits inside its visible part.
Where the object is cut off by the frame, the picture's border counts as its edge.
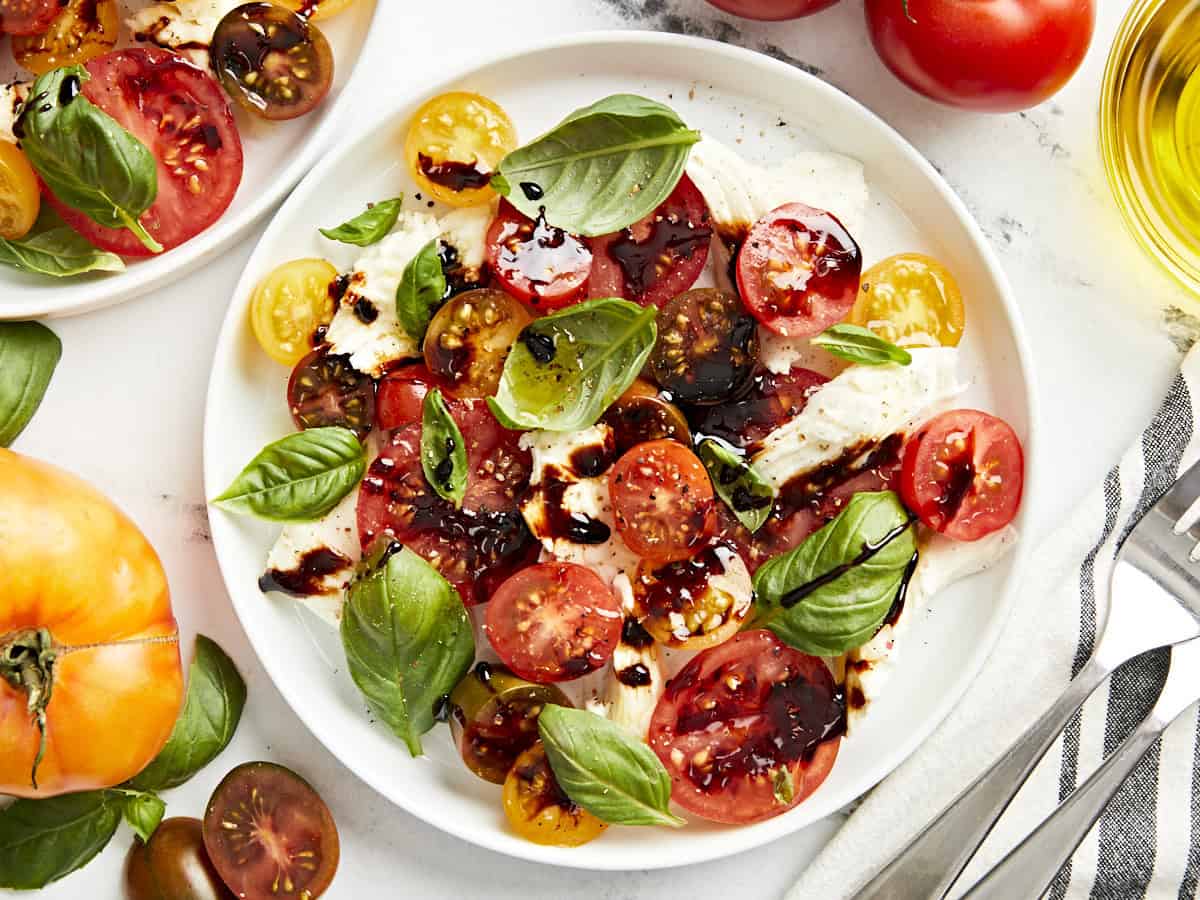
(927, 867)
(1030, 868)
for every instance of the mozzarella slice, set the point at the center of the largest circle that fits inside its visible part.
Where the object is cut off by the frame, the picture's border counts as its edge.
(372, 345)
(12, 96)
(631, 705)
(857, 410)
(466, 231)
(184, 26)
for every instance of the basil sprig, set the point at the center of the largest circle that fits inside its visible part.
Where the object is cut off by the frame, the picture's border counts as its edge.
(408, 640)
(833, 592)
(51, 248)
(421, 291)
(85, 157)
(861, 345)
(368, 227)
(602, 168)
(29, 353)
(443, 450)
(741, 486)
(567, 368)
(605, 769)
(299, 478)
(44, 840)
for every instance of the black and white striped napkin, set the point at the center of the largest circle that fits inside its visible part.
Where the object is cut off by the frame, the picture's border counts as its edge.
(1147, 844)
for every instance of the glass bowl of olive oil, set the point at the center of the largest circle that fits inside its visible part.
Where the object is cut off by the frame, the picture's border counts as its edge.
(1150, 130)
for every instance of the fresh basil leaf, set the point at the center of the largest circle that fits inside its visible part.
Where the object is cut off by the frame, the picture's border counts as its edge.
(861, 345)
(299, 478)
(51, 248)
(88, 161)
(443, 450)
(43, 840)
(29, 353)
(368, 227)
(143, 812)
(216, 695)
(567, 368)
(833, 592)
(408, 640)
(602, 168)
(737, 482)
(421, 291)
(605, 769)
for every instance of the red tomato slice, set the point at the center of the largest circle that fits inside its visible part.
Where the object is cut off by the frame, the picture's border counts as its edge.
(476, 547)
(798, 270)
(662, 500)
(180, 112)
(743, 719)
(27, 16)
(401, 395)
(554, 622)
(963, 474)
(659, 257)
(537, 263)
(773, 400)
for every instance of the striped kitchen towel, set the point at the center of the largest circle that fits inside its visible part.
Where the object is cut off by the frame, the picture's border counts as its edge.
(1147, 844)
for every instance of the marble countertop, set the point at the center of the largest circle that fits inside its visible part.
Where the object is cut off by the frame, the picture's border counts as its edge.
(126, 406)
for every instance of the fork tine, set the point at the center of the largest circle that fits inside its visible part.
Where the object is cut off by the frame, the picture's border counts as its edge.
(1182, 502)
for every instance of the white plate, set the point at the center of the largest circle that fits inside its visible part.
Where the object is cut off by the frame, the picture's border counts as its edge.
(769, 109)
(277, 156)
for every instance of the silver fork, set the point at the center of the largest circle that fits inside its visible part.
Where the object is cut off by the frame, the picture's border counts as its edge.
(1030, 868)
(1155, 601)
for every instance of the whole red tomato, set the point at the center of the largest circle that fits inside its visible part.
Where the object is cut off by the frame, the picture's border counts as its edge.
(987, 55)
(771, 10)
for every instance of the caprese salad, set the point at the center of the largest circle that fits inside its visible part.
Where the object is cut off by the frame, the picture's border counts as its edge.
(612, 456)
(110, 154)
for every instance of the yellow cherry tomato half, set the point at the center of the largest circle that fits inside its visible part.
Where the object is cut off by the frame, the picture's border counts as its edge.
(20, 199)
(316, 10)
(82, 30)
(455, 143)
(910, 296)
(289, 305)
(539, 811)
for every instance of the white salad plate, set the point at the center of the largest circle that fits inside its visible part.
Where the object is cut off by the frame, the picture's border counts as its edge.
(767, 110)
(277, 155)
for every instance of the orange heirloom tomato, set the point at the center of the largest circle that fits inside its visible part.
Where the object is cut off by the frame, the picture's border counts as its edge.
(90, 677)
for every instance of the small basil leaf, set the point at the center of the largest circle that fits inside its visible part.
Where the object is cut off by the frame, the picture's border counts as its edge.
(29, 353)
(421, 291)
(408, 640)
(299, 478)
(443, 450)
(603, 167)
(143, 812)
(605, 769)
(85, 157)
(367, 227)
(738, 483)
(832, 593)
(567, 368)
(51, 248)
(43, 840)
(216, 695)
(861, 345)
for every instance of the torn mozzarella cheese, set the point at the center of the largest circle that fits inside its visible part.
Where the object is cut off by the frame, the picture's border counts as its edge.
(466, 231)
(12, 97)
(372, 345)
(857, 410)
(183, 26)
(635, 679)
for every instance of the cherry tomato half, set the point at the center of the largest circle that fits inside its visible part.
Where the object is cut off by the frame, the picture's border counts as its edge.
(747, 730)
(798, 270)
(400, 398)
(270, 835)
(694, 603)
(20, 196)
(554, 622)
(469, 338)
(539, 810)
(707, 347)
(289, 305)
(963, 474)
(537, 263)
(455, 143)
(326, 390)
(642, 414)
(988, 55)
(27, 16)
(81, 31)
(772, 10)
(173, 865)
(662, 500)
(910, 296)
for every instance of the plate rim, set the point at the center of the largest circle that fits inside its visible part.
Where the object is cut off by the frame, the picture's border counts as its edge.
(121, 287)
(904, 748)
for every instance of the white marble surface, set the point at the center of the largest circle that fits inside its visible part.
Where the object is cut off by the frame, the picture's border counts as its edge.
(125, 409)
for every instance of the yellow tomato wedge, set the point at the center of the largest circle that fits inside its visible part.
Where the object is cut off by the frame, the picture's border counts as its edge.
(289, 305)
(910, 298)
(20, 199)
(82, 30)
(455, 142)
